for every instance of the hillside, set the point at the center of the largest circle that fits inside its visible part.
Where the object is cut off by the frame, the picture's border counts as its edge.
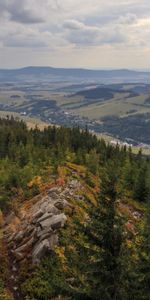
(75, 72)
(120, 110)
(74, 75)
(103, 93)
(73, 216)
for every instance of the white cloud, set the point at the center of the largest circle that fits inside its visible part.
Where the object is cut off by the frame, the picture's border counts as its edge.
(81, 34)
(128, 19)
(71, 25)
(20, 11)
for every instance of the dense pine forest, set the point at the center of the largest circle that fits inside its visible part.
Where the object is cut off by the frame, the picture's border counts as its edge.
(104, 248)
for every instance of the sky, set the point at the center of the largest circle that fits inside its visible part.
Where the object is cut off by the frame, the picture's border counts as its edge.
(95, 34)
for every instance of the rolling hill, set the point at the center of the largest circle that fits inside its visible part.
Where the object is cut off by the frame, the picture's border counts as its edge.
(119, 75)
(81, 97)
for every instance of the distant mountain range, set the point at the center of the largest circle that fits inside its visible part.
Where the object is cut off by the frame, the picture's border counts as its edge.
(75, 73)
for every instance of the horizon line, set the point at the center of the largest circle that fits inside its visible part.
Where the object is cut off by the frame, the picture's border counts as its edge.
(82, 68)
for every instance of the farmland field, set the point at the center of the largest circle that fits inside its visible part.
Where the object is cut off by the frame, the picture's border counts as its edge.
(119, 110)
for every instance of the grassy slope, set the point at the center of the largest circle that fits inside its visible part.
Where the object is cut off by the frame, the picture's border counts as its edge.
(31, 122)
(119, 106)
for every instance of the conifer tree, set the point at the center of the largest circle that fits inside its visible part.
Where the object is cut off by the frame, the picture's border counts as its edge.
(106, 236)
(141, 189)
(140, 267)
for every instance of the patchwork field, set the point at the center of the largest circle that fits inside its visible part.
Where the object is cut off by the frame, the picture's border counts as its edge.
(120, 105)
(121, 110)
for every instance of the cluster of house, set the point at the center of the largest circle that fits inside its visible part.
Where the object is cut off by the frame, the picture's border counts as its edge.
(116, 142)
(138, 145)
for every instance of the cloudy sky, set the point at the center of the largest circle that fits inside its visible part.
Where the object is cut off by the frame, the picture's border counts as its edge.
(75, 33)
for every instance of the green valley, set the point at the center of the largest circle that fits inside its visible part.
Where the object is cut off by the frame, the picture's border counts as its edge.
(121, 110)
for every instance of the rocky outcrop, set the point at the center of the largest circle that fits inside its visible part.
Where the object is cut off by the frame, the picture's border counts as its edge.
(38, 222)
